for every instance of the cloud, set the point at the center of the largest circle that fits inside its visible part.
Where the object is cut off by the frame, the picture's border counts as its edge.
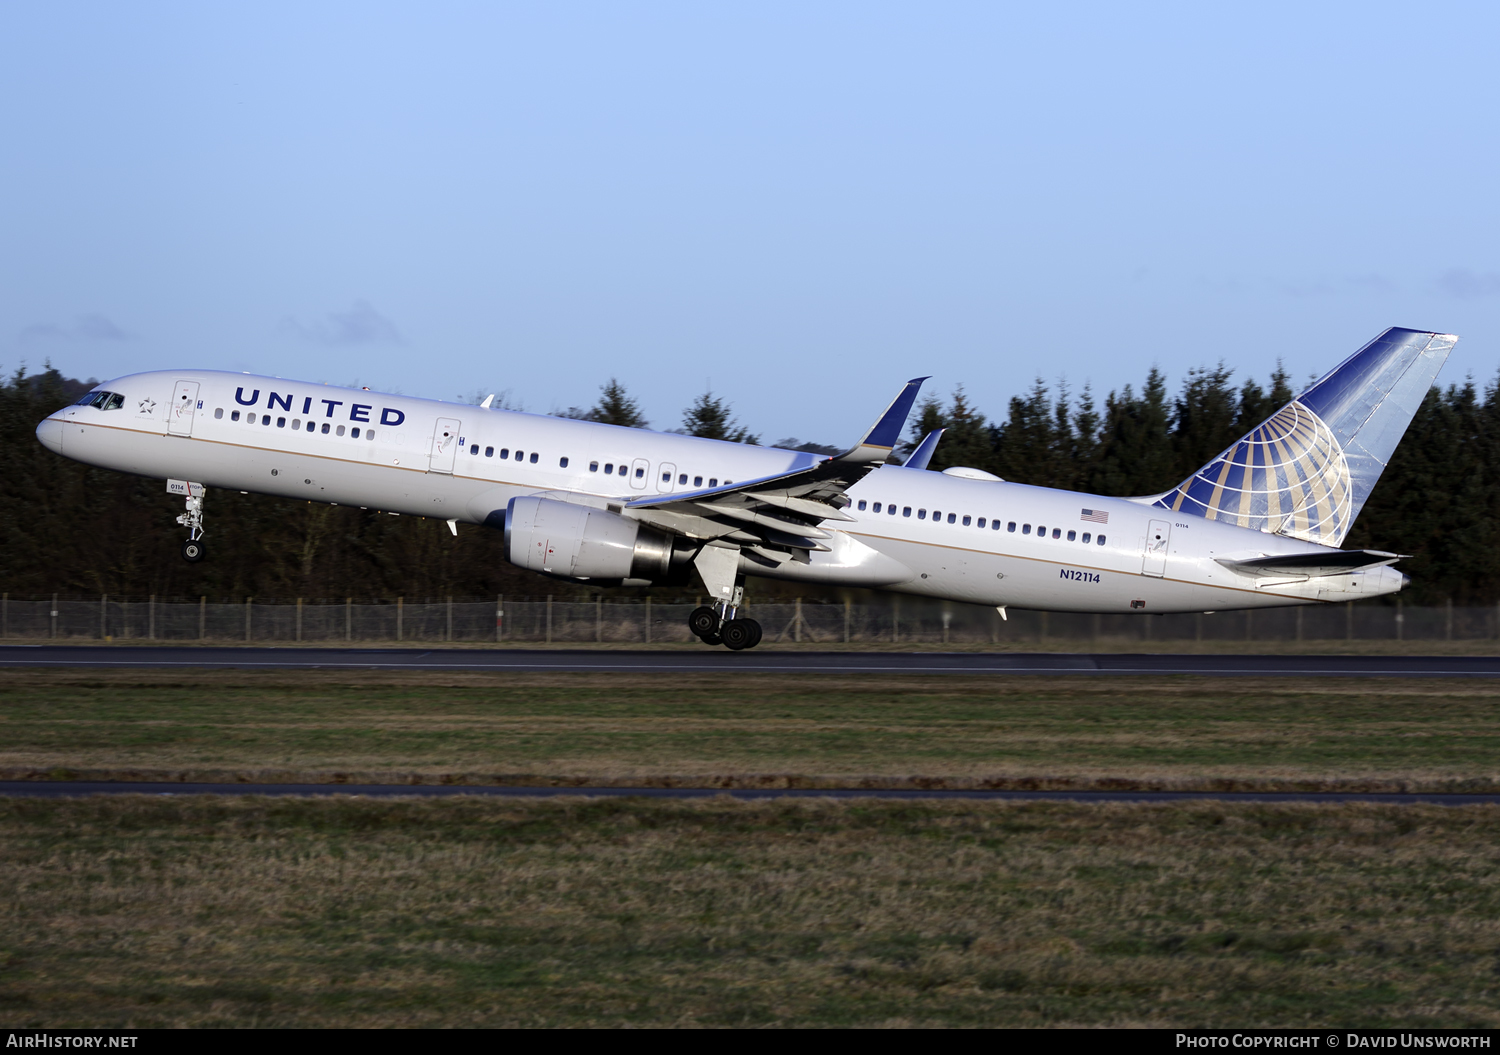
(361, 324)
(90, 327)
(1464, 284)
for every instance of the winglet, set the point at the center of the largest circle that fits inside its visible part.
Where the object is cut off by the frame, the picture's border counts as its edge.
(923, 453)
(886, 432)
(487, 401)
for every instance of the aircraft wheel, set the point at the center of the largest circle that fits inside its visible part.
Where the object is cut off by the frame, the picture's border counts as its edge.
(738, 634)
(704, 622)
(713, 639)
(192, 551)
(755, 632)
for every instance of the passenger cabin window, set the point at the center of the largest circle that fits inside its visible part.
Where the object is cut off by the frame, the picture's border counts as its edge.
(505, 452)
(473, 448)
(713, 481)
(593, 467)
(533, 457)
(609, 468)
(324, 429)
(640, 472)
(218, 413)
(861, 505)
(281, 423)
(296, 424)
(877, 507)
(1025, 529)
(562, 462)
(1072, 535)
(489, 452)
(891, 509)
(906, 511)
(682, 478)
(354, 432)
(951, 518)
(339, 431)
(1100, 540)
(234, 415)
(921, 514)
(1057, 532)
(1085, 538)
(697, 481)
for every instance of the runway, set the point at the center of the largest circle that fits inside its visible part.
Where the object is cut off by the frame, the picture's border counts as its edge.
(56, 789)
(719, 661)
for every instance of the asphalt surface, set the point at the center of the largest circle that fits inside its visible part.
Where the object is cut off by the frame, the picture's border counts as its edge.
(54, 789)
(722, 661)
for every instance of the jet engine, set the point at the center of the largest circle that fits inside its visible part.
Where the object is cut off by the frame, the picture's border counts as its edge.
(585, 543)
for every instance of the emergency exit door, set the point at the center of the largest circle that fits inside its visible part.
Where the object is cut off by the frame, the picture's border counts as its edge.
(444, 445)
(1158, 536)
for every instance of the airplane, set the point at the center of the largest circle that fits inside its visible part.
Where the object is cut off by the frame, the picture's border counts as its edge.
(1259, 526)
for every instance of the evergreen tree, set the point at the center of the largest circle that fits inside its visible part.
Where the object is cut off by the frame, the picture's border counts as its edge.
(615, 407)
(710, 417)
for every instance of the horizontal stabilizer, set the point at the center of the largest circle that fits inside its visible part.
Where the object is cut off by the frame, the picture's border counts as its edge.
(923, 454)
(1313, 565)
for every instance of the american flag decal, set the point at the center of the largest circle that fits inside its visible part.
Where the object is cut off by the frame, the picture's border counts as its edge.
(1095, 516)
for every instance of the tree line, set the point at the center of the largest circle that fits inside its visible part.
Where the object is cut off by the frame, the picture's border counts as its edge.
(72, 528)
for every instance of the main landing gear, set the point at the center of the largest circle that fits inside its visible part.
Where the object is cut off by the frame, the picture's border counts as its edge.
(192, 549)
(733, 633)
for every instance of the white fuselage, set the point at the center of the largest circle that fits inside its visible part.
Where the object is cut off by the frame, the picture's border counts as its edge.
(444, 460)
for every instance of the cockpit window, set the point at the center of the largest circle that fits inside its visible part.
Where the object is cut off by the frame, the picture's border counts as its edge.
(102, 400)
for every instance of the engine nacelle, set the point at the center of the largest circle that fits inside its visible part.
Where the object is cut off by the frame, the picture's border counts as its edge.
(585, 543)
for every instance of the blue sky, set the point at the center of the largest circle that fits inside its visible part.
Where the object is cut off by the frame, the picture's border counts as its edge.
(800, 204)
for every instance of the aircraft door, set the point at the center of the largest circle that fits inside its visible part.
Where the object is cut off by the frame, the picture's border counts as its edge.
(184, 408)
(1158, 535)
(444, 445)
(665, 474)
(639, 472)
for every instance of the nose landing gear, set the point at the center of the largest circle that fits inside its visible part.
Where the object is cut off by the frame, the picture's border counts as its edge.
(192, 549)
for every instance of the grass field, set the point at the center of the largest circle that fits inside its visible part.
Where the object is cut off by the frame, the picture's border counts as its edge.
(137, 912)
(753, 731)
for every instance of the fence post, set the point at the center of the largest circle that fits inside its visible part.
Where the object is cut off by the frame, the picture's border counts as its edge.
(348, 619)
(1400, 618)
(947, 618)
(1348, 620)
(598, 617)
(103, 616)
(202, 617)
(299, 619)
(399, 613)
(549, 619)
(847, 604)
(54, 615)
(895, 618)
(797, 622)
(648, 619)
(499, 617)
(450, 617)
(247, 619)
(151, 617)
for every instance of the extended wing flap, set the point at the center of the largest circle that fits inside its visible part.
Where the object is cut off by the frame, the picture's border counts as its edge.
(785, 509)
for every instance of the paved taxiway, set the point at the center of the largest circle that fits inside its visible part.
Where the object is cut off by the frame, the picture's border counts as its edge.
(77, 788)
(716, 661)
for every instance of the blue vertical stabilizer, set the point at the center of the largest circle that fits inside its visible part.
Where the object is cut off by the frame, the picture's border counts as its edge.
(1307, 471)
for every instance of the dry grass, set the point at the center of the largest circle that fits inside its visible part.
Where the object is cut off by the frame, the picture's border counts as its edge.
(757, 731)
(138, 912)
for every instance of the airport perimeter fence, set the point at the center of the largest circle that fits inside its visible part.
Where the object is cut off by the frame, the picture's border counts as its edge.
(896, 620)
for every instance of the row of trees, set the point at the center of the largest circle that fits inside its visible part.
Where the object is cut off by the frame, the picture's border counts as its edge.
(65, 526)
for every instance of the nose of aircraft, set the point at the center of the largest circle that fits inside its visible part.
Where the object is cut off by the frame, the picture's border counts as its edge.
(50, 432)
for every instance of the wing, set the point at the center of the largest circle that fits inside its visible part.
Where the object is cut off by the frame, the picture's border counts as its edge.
(776, 518)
